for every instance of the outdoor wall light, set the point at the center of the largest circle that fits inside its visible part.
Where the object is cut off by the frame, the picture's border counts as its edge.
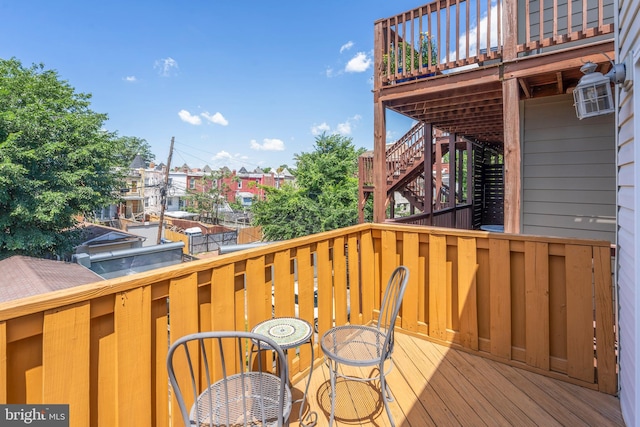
(592, 96)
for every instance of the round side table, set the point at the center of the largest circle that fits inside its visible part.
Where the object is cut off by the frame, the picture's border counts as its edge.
(291, 332)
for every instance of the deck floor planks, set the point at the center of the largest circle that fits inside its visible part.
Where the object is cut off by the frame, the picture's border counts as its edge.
(447, 391)
(608, 406)
(517, 396)
(571, 400)
(514, 405)
(476, 398)
(409, 358)
(432, 385)
(544, 391)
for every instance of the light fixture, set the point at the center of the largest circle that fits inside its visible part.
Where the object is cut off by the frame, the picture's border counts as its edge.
(592, 96)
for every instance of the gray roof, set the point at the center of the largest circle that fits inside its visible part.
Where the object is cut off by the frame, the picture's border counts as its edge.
(137, 163)
(23, 276)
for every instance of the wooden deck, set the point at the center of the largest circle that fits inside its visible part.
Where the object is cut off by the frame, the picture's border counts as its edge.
(436, 385)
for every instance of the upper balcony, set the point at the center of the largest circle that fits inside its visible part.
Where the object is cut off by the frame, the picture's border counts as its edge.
(443, 63)
(494, 327)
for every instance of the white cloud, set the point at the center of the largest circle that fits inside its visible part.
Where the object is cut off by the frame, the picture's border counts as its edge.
(217, 118)
(318, 129)
(345, 127)
(473, 36)
(166, 66)
(348, 45)
(222, 155)
(358, 64)
(329, 72)
(268, 144)
(186, 116)
(130, 79)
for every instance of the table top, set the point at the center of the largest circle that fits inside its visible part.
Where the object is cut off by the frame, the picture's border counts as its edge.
(287, 332)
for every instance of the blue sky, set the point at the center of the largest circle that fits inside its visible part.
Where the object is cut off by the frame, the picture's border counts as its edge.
(236, 83)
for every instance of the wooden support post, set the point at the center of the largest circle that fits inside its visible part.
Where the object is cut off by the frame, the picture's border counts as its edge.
(379, 163)
(453, 182)
(428, 171)
(512, 156)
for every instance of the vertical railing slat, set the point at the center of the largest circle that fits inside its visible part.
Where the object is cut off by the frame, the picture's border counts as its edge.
(410, 259)
(500, 298)
(353, 271)
(468, 29)
(605, 322)
(467, 292)
(537, 304)
(104, 372)
(133, 335)
(368, 276)
(65, 361)
(306, 284)
(325, 286)
(579, 312)
(438, 284)
(183, 320)
(160, 386)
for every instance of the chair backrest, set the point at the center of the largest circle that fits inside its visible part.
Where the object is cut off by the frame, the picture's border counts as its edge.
(391, 302)
(228, 363)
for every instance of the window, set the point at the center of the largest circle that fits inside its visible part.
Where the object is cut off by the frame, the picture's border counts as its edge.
(134, 186)
(239, 185)
(192, 183)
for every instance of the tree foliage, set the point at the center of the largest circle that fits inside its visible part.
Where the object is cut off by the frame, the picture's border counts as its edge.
(211, 196)
(56, 161)
(133, 146)
(324, 197)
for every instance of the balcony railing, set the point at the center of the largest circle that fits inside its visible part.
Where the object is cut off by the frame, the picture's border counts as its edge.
(543, 304)
(448, 34)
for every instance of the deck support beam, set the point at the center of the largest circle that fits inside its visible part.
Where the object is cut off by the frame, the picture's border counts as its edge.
(379, 163)
(512, 156)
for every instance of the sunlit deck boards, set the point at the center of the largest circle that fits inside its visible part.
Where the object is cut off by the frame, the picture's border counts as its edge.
(435, 385)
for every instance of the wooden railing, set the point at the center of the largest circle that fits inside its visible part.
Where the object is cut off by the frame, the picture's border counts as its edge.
(459, 217)
(538, 303)
(447, 34)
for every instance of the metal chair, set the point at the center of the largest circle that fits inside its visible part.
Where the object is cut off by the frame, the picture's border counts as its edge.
(367, 346)
(227, 379)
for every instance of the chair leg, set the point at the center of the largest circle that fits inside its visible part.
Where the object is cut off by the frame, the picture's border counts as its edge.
(386, 397)
(333, 366)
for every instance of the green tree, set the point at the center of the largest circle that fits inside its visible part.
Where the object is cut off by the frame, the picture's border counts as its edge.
(211, 196)
(324, 197)
(133, 146)
(56, 161)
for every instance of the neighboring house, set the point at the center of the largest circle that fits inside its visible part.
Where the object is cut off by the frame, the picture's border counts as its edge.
(283, 177)
(628, 209)
(245, 186)
(98, 238)
(125, 262)
(176, 191)
(132, 206)
(24, 276)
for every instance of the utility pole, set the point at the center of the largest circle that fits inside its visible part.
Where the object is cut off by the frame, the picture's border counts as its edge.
(163, 193)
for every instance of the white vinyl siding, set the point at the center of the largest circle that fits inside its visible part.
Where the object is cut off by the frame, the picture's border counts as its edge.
(569, 174)
(628, 200)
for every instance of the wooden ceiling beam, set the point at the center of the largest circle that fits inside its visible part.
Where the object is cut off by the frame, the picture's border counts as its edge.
(560, 82)
(525, 88)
